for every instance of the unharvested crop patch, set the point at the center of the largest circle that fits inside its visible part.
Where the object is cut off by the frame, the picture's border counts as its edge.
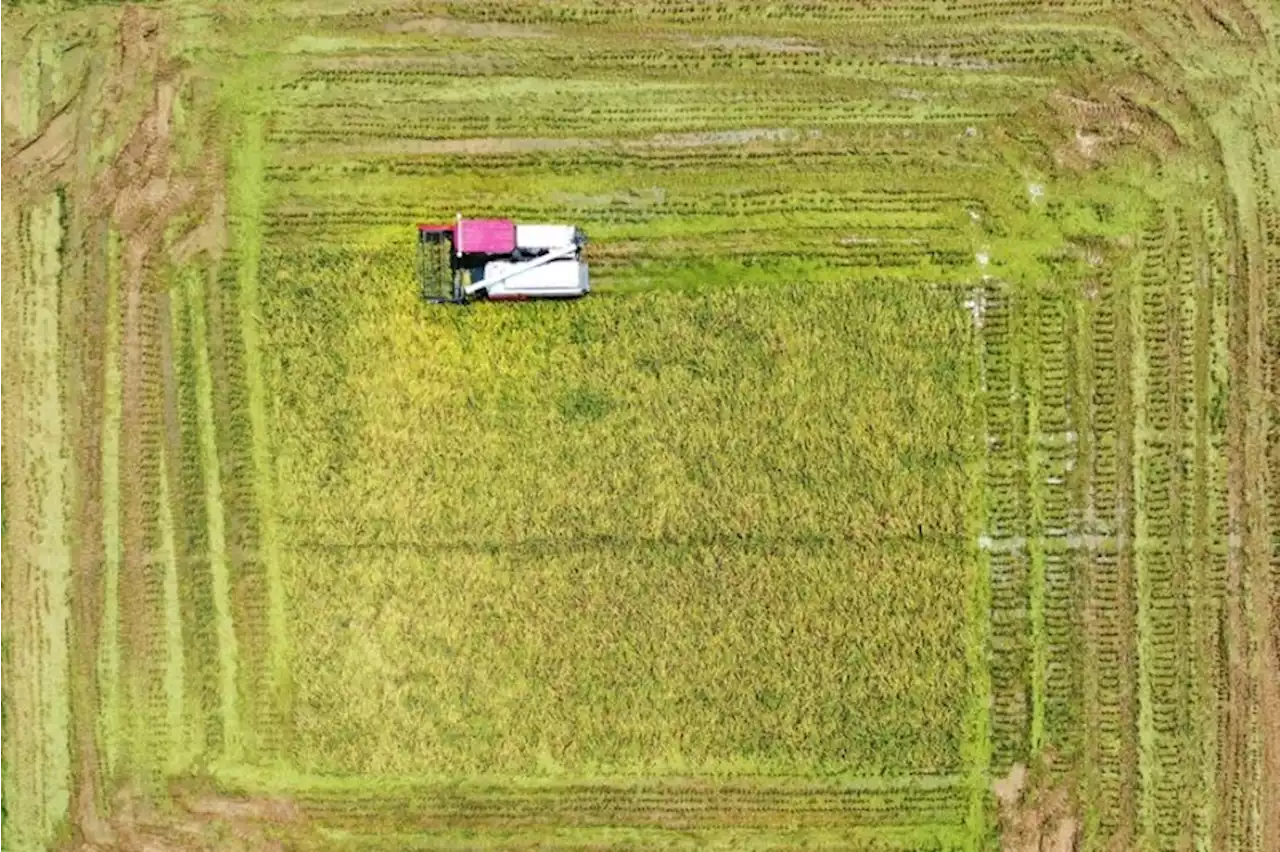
(654, 532)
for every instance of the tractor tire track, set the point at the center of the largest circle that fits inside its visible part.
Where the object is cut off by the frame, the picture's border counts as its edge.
(229, 703)
(37, 547)
(85, 312)
(170, 520)
(195, 565)
(141, 602)
(1271, 623)
(85, 305)
(1241, 778)
(246, 570)
(1122, 832)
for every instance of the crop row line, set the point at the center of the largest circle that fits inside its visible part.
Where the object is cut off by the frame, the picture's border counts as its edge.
(1006, 514)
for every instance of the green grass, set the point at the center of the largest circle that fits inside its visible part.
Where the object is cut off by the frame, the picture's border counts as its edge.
(716, 521)
(229, 709)
(485, 811)
(1142, 456)
(173, 669)
(48, 477)
(247, 189)
(976, 744)
(109, 656)
(660, 531)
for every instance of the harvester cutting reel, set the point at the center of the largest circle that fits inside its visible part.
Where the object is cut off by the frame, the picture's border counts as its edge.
(498, 259)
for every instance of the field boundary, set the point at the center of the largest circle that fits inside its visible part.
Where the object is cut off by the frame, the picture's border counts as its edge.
(246, 221)
(977, 743)
(367, 805)
(38, 552)
(109, 642)
(268, 514)
(218, 560)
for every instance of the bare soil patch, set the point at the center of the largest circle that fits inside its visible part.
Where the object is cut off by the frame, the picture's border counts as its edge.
(201, 822)
(1095, 122)
(11, 98)
(944, 61)
(1035, 816)
(766, 44)
(522, 145)
(464, 29)
(47, 153)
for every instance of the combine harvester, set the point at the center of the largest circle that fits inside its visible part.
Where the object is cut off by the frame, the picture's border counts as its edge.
(498, 259)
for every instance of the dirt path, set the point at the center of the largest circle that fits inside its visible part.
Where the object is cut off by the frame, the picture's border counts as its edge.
(1254, 590)
(1035, 817)
(522, 145)
(1246, 563)
(84, 312)
(200, 821)
(1266, 589)
(1127, 759)
(39, 494)
(20, 623)
(138, 194)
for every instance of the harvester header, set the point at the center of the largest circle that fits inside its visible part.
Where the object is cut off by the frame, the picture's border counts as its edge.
(498, 259)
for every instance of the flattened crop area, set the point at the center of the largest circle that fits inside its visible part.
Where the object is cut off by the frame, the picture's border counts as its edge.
(907, 481)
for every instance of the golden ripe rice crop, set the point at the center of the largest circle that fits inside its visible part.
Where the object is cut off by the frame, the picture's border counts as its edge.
(653, 531)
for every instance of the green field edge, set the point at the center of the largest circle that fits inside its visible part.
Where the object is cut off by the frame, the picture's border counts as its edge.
(173, 663)
(368, 810)
(8, 219)
(109, 733)
(246, 184)
(924, 838)
(1138, 383)
(249, 780)
(1033, 372)
(38, 765)
(976, 745)
(218, 558)
(8, 225)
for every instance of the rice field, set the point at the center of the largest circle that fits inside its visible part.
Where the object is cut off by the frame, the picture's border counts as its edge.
(907, 481)
(661, 548)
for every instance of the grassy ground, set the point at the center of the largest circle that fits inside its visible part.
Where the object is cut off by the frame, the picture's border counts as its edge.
(920, 428)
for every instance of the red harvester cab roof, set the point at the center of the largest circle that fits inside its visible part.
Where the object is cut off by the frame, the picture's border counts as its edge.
(486, 236)
(478, 236)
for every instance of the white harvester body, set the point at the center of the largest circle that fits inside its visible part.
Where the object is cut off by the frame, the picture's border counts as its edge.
(498, 259)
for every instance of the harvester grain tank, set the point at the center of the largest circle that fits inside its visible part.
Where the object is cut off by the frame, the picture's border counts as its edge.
(498, 259)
